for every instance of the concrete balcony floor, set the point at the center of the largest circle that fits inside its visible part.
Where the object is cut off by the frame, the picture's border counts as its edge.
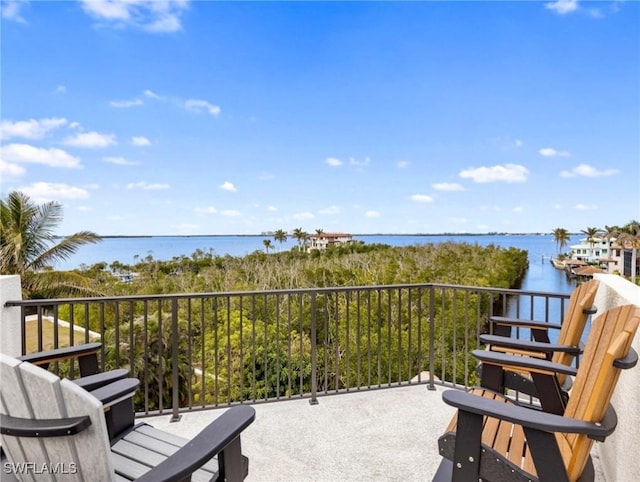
(388, 434)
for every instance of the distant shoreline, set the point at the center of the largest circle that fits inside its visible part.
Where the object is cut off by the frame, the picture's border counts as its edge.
(132, 236)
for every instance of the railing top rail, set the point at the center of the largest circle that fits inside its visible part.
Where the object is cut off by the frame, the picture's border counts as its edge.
(222, 294)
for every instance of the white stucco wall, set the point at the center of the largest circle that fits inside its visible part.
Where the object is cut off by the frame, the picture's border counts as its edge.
(620, 453)
(10, 330)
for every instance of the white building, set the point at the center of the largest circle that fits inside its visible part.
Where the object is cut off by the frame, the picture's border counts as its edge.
(592, 250)
(322, 241)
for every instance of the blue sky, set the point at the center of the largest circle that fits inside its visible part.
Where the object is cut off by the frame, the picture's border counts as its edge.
(196, 117)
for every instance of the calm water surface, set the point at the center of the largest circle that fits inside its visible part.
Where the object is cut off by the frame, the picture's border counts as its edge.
(541, 276)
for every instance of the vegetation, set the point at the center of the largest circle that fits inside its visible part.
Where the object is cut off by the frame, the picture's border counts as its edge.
(561, 237)
(28, 248)
(247, 347)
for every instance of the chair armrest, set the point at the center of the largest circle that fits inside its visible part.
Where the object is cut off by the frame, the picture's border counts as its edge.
(61, 353)
(526, 417)
(27, 427)
(522, 362)
(91, 382)
(210, 441)
(520, 322)
(536, 346)
(116, 391)
(627, 362)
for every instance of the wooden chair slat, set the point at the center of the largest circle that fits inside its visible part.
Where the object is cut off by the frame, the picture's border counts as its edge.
(609, 339)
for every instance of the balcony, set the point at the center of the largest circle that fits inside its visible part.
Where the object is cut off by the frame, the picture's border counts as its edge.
(346, 382)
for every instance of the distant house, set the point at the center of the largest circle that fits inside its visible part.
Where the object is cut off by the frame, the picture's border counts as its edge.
(592, 250)
(324, 240)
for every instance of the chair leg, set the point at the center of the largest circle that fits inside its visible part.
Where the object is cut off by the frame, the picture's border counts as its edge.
(230, 462)
(466, 460)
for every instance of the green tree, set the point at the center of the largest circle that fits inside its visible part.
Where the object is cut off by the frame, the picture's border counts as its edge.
(561, 237)
(29, 248)
(280, 236)
(267, 245)
(301, 237)
(591, 234)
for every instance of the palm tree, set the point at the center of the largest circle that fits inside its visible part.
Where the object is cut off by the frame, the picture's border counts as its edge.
(300, 236)
(280, 235)
(591, 234)
(630, 235)
(28, 248)
(319, 231)
(267, 245)
(561, 237)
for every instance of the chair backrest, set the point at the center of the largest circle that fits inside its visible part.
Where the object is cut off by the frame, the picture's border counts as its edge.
(609, 339)
(575, 319)
(31, 392)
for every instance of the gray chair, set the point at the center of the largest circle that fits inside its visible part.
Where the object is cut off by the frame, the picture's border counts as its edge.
(53, 425)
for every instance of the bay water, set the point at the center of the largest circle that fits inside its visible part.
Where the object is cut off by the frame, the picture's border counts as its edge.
(541, 275)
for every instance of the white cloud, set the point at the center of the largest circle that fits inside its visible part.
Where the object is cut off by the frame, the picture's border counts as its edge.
(91, 140)
(330, 210)
(9, 170)
(518, 209)
(207, 210)
(333, 162)
(228, 186)
(50, 191)
(11, 10)
(506, 173)
(154, 16)
(588, 171)
(551, 152)
(421, 198)
(230, 212)
(562, 7)
(272, 209)
(198, 106)
(152, 95)
(123, 104)
(586, 207)
(359, 164)
(447, 186)
(120, 161)
(61, 89)
(30, 129)
(52, 157)
(145, 186)
(140, 141)
(303, 216)
(372, 214)
(402, 164)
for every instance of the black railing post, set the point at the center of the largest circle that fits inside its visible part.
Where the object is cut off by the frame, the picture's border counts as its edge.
(175, 389)
(432, 331)
(314, 352)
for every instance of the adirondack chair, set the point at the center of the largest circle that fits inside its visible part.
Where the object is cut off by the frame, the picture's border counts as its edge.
(563, 352)
(493, 438)
(86, 356)
(53, 425)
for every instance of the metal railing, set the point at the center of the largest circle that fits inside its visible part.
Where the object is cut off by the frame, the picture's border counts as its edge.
(203, 350)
